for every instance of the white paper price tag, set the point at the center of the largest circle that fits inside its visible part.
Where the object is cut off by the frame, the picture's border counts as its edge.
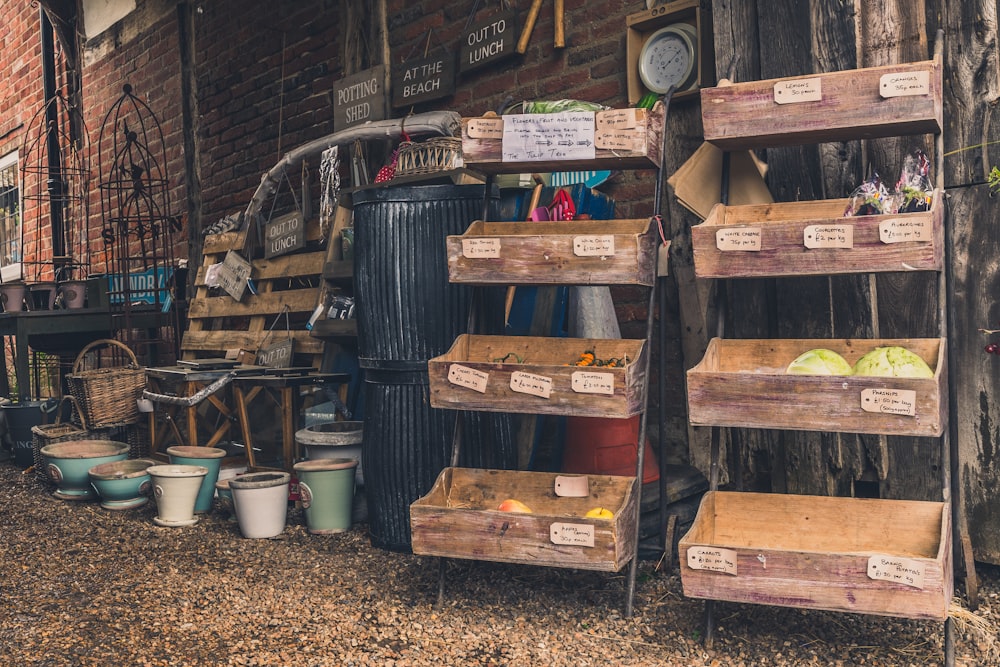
(618, 140)
(485, 128)
(903, 84)
(798, 90)
(591, 382)
(470, 378)
(712, 559)
(480, 248)
(572, 486)
(529, 383)
(899, 230)
(572, 534)
(828, 236)
(594, 245)
(889, 401)
(906, 571)
(738, 238)
(619, 119)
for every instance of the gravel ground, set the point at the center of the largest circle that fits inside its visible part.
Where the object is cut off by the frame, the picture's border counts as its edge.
(81, 585)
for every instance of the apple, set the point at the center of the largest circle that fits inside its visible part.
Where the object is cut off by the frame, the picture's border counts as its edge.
(511, 505)
(600, 513)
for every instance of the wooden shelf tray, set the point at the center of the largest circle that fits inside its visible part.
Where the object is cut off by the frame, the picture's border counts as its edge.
(458, 518)
(852, 104)
(814, 238)
(469, 376)
(582, 252)
(742, 383)
(872, 556)
(624, 139)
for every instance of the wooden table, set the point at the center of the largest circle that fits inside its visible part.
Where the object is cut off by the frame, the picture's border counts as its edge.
(285, 391)
(186, 381)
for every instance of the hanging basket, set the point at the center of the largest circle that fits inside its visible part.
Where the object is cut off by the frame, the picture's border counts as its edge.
(430, 156)
(107, 396)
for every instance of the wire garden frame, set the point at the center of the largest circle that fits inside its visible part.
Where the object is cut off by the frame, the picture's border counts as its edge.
(137, 227)
(55, 177)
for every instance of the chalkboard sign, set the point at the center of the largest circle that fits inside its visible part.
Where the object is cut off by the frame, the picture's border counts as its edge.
(488, 42)
(423, 79)
(284, 234)
(359, 98)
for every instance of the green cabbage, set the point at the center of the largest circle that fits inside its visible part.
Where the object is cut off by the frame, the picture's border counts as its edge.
(893, 361)
(819, 362)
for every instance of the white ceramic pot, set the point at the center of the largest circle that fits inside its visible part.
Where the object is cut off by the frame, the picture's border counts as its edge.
(175, 489)
(261, 502)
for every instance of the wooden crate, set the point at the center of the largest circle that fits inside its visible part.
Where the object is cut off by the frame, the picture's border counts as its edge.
(874, 556)
(844, 105)
(458, 519)
(218, 324)
(471, 376)
(814, 238)
(742, 383)
(633, 142)
(583, 252)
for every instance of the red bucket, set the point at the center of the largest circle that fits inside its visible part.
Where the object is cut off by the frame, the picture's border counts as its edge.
(605, 446)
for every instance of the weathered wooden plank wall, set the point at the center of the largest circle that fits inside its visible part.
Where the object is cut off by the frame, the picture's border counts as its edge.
(774, 38)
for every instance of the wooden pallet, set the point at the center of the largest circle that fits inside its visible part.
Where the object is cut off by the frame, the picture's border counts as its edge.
(220, 326)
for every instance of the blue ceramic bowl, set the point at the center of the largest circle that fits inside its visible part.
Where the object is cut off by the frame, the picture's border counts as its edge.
(122, 484)
(69, 463)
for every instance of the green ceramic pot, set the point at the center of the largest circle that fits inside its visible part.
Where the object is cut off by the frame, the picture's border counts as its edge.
(327, 490)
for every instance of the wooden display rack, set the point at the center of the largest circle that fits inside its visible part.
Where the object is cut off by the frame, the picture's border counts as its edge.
(218, 325)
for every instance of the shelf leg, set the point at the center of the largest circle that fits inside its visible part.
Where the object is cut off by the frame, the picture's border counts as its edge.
(709, 624)
(630, 586)
(441, 573)
(949, 642)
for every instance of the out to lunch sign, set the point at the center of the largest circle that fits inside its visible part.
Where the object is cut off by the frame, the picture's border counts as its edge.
(359, 98)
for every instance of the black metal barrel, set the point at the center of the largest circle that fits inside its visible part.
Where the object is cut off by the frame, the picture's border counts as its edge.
(408, 312)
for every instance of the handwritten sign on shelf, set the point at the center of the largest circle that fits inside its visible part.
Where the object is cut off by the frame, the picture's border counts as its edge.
(899, 230)
(903, 84)
(798, 90)
(828, 236)
(572, 534)
(889, 401)
(548, 136)
(738, 238)
(898, 570)
(481, 248)
(530, 383)
(712, 559)
(470, 378)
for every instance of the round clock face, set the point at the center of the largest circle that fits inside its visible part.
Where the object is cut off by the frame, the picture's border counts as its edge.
(668, 58)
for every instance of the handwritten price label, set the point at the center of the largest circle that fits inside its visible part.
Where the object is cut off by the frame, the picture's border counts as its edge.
(470, 378)
(589, 382)
(889, 401)
(572, 534)
(529, 383)
(898, 230)
(480, 248)
(903, 84)
(712, 559)
(828, 236)
(906, 571)
(620, 119)
(619, 140)
(798, 90)
(593, 246)
(485, 128)
(739, 238)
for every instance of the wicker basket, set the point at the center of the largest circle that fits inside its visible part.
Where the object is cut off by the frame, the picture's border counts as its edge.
(107, 396)
(430, 156)
(59, 431)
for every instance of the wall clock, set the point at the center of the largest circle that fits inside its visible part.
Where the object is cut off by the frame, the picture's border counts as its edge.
(670, 57)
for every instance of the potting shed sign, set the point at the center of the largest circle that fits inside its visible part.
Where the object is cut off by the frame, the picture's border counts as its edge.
(359, 98)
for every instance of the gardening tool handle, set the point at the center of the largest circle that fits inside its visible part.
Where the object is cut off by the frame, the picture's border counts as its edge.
(560, 34)
(529, 25)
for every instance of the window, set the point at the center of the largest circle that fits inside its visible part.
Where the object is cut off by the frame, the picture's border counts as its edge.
(10, 218)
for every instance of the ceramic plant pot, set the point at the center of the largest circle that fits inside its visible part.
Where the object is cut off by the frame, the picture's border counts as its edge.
(327, 490)
(225, 496)
(333, 440)
(175, 489)
(210, 458)
(12, 296)
(122, 484)
(43, 295)
(72, 294)
(69, 463)
(261, 502)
